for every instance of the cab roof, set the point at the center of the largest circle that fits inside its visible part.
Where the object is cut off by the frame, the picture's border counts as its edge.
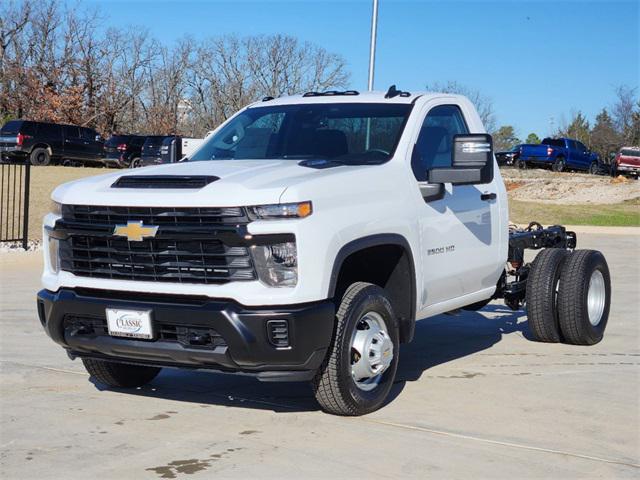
(350, 96)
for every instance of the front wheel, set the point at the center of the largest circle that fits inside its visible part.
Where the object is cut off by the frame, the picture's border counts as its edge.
(593, 168)
(520, 164)
(119, 375)
(361, 364)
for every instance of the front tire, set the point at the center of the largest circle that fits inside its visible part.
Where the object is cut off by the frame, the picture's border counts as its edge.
(358, 372)
(119, 375)
(520, 164)
(584, 297)
(593, 168)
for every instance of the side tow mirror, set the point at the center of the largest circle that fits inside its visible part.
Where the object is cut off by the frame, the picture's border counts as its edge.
(472, 161)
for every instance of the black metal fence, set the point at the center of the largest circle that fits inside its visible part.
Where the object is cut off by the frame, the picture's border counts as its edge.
(14, 202)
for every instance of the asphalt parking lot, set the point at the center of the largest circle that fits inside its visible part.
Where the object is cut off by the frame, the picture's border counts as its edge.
(474, 398)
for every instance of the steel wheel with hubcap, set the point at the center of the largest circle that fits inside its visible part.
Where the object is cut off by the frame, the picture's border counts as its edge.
(361, 363)
(371, 351)
(596, 297)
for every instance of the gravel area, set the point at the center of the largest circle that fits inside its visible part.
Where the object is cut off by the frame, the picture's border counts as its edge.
(568, 188)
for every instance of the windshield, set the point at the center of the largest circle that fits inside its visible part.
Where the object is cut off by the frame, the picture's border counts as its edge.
(343, 132)
(153, 143)
(554, 142)
(115, 140)
(627, 152)
(12, 127)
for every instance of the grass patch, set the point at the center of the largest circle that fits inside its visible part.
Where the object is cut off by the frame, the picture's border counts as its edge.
(43, 181)
(625, 214)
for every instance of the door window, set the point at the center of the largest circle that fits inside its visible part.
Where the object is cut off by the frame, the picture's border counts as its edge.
(433, 148)
(71, 131)
(49, 130)
(88, 134)
(580, 146)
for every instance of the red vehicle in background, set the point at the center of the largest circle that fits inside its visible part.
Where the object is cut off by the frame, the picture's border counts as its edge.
(627, 162)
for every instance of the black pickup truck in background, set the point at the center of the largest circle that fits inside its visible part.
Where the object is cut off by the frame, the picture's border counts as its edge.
(123, 150)
(42, 143)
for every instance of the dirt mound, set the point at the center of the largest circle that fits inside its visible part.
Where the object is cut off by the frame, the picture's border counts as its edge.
(568, 188)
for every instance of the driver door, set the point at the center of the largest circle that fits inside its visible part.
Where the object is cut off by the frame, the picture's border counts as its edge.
(459, 228)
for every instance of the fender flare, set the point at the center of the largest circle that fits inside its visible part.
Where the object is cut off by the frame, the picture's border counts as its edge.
(42, 145)
(407, 330)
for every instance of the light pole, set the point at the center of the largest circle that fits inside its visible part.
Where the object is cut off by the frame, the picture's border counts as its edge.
(372, 63)
(372, 49)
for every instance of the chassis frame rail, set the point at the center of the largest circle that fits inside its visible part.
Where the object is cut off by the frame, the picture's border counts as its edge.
(512, 286)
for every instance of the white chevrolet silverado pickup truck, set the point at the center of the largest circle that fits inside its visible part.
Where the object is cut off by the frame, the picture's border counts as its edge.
(302, 241)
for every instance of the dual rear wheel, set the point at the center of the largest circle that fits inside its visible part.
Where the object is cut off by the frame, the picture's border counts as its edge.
(568, 296)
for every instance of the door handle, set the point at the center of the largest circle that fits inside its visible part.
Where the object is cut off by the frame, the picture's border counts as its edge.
(488, 196)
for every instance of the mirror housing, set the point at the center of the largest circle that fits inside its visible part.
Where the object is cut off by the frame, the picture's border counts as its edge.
(472, 161)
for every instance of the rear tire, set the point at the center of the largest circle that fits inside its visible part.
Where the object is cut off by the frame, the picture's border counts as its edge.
(541, 298)
(135, 163)
(338, 387)
(559, 165)
(40, 157)
(120, 375)
(584, 297)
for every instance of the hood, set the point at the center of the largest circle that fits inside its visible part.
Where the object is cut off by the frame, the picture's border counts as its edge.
(240, 183)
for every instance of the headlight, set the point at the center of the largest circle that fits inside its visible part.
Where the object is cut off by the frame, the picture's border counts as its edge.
(281, 210)
(54, 257)
(55, 208)
(277, 265)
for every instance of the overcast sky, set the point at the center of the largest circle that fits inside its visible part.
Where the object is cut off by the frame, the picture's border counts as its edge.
(535, 59)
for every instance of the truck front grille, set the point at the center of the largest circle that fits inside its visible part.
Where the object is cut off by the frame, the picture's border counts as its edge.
(193, 216)
(184, 250)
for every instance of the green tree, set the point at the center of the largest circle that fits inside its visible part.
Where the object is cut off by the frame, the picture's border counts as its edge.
(533, 139)
(604, 137)
(505, 138)
(578, 129)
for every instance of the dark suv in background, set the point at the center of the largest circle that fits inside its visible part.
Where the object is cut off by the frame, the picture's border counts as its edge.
(123, 150)
(41, 143)
(151, 150)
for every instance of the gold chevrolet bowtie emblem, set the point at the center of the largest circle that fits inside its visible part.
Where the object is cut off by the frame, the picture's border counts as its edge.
(135, 231)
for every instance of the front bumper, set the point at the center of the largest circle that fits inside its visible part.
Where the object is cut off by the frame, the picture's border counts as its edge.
(628, 169)
(76, 320)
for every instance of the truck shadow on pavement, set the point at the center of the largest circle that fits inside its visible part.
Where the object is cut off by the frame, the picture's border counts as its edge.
(437, 341)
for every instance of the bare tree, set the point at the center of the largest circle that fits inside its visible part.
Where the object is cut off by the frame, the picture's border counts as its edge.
(55, 66)
(622, 111)
(483, 104)
(281, 65)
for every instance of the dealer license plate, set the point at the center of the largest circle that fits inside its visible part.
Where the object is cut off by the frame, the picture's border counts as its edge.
(129, 323)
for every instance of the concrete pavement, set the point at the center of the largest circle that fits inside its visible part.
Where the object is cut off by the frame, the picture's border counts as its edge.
(474, 398)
